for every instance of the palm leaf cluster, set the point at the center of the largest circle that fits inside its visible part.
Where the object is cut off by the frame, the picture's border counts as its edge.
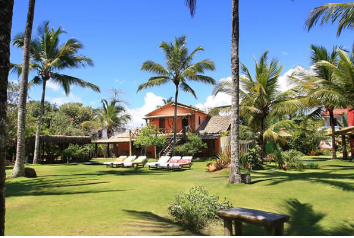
(343, 13)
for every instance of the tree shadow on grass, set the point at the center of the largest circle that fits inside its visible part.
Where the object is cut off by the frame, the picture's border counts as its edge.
(152, 224)
(327, 178)
(42, 187)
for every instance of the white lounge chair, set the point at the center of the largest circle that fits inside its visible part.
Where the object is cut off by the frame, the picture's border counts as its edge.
(128, 162)
(137, 163)
(162, 160)
(119, 159)
(120, 164)
(173, 160)
(185, 162)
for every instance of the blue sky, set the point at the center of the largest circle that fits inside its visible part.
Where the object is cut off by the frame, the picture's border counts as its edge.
(120, 35)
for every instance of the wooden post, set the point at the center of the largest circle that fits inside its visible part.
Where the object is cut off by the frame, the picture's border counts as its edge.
(96, 149)
(344, 144)
(238, 228)
(107, 150)
(279, 230)
(269, 230)
(130, 143)
(227, 227)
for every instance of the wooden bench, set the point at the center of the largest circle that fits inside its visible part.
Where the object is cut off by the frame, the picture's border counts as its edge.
(273, 223)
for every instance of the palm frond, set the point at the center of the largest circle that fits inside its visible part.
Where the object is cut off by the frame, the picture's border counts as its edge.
(186, 88)
(66, 81)
(156, 68)
(153, 81)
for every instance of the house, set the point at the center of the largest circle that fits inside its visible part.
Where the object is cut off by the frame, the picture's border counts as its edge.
(339, 118)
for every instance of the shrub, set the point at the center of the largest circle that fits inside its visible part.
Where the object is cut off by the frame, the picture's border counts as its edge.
(291, 159)
(75, 152)
(251, 160)
(196, 207)
(193, 145)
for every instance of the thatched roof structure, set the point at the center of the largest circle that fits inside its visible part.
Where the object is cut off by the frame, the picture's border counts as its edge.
(121, 137)
(212, 127)
(60, 139)
(344, 131)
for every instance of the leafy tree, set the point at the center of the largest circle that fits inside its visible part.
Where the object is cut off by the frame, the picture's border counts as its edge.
(332, 12)
(179, 69)
(77, 113)
(193, 145)
(47, 58)
(19, 168)
(6, 9)
(148, 137)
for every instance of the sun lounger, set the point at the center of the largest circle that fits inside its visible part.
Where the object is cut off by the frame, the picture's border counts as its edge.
(119, 159)
(185, 162)
(155, 165)
(173, 160)
(128, 162)
(120, 164)
(139, 162)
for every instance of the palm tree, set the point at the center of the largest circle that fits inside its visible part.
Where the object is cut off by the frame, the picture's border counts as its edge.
(325, 89)
(111, 116)
(341, 12)
(47, 58)
(19, 168)
(235, 172)
(179, 69)
(6, 10)
(167, 100)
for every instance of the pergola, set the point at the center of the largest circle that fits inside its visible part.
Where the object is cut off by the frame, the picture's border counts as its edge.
(347, 131)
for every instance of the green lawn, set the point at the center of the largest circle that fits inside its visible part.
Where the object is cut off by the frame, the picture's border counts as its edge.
(94, 200)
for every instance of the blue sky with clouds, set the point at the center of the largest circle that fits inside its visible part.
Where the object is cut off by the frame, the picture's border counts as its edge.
(120, 35)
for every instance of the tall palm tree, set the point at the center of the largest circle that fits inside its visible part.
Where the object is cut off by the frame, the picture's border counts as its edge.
(341, 12)
(235, 172)
(167, 100)
(47, 58)
(179, 69)
(6, 9)
(324, 89)
(111, 116)
(21, 121)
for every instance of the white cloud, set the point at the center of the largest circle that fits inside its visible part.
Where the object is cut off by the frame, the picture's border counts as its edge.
(120, 81)
(285, 81)
(221, 99)
(53, 85)
(137, 114)
(61, 100)
(284, 53)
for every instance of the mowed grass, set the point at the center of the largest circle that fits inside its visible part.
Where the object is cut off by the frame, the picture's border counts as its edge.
(87, 200)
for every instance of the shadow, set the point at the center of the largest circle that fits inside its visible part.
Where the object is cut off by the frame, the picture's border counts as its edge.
(42, 187)
(327, 178)
(153, 224)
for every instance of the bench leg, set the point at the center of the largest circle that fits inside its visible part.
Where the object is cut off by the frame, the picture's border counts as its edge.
(238, 228)
(227, 227)
(279, 230)
(269, 231)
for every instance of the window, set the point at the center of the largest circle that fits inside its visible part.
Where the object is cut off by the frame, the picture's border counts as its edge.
(199, 120)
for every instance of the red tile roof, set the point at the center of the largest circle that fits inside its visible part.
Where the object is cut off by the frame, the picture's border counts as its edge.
(335, 112)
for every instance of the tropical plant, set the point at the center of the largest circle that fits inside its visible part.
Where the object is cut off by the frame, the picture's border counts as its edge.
(196, 207)
(251, 159)
(47, 58)
(111, 116)
(19, 168)
(5, 39)
(179, 69)
(332, 12)
(167, 100)
(193, 145)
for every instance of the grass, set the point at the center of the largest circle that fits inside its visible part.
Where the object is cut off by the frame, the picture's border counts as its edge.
(77, 199)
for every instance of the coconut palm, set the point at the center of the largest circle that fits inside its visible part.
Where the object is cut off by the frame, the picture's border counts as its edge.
(326, 89)
(167, 100)
(179, 69)
(111, 116)
(235, 172)
(5, 39)
(19, 168)
(47, 58)
(341, 12)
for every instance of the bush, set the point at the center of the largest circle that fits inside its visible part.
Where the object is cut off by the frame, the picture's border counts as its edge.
(193, 145)
(196, 207)
(251, 160)
(75, 152)
(291, 159)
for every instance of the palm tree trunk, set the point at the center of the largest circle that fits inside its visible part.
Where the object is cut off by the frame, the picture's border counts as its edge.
(19, 168)
(261, 139)
(235, 172)
(331, 121)
(41, 112)
(6, 7)
(175, 123)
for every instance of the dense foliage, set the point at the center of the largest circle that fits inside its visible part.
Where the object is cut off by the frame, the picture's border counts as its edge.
(251, 159)
(148, 137)
(196, 207)
(193, 145)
